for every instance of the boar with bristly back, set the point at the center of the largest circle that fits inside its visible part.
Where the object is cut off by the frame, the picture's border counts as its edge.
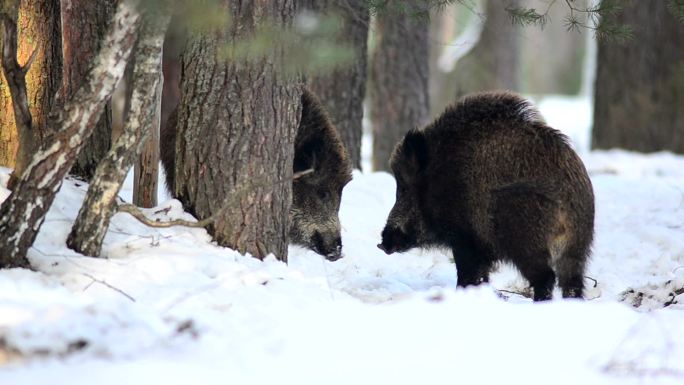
(316, 196)
(490, 180)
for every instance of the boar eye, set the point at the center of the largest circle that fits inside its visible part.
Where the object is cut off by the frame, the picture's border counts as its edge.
(323, 194)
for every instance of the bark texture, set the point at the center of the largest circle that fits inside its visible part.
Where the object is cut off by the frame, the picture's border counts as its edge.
(146, 174)
(236, 129)
(23, 212)
(342, 91)
(99, 205)
(85, 24)
(38, 40)
(399, 84)
(639, 90)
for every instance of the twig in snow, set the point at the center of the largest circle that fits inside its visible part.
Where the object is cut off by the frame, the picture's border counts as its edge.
(592, 279)
(102, 282)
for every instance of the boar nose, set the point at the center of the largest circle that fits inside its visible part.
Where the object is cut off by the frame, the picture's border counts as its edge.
(329, 247)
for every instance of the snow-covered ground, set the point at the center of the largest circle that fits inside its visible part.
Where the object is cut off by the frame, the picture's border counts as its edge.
(169, 307)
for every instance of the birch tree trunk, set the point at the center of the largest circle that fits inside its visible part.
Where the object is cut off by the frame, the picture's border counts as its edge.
(38, 39)
(85, 23)
(399, 84)
(236, 128)
(23, 212)
(99, 205)
(342, 91)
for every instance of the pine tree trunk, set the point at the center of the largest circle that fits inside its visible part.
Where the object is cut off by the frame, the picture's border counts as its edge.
(99, 205)
(84, 25)
(399, 85)
(494, 62)
(23, 212)
(639, 93)
(235, 141)
(38, 30)
(342, 91)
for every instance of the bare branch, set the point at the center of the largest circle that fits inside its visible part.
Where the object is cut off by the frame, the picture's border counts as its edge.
(14, 74)
(102, 282)
(136, 213)
(25, 69)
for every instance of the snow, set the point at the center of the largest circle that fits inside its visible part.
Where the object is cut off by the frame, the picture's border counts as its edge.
(169, 306)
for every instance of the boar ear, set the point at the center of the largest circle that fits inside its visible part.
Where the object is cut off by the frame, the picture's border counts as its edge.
(306, 155)
(414, 154)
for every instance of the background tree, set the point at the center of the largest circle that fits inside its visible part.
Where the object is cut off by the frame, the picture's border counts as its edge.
(492, 63)
(84, 26)
(23, 212)
(236, 126)
(342, 90)
(399, 77)
(37, 23)
(639, 90)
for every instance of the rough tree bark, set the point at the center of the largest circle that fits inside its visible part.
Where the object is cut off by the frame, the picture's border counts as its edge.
(639, 90)
(342, 90)
(38, 34)
(23, 212)
(146, 171)
(99, 205)
(399, 81)
(236, 129)
(84, 26)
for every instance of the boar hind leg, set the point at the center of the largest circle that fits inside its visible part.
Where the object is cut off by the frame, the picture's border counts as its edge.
(535, 268)
(473, 263)
(570, 268)
(521, 224)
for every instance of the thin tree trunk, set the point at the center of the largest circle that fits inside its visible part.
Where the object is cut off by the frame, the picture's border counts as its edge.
(399, 85)
(99, 205)
(639, 93)
(146, 174)
(39, 34)
(236, 129)
(23, 212)
(84, 25)
(342, 91)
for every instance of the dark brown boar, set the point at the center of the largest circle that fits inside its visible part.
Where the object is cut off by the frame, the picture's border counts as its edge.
(316, 196)
(490, 180)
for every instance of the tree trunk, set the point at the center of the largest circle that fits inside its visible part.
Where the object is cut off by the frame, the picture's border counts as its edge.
(342, 90)
(494, 62)
(146, 174)
(84, 25)
(236, 129)
(38, 31)
(551, 57)
(99, 205)
(23, 212)
(639, 90)
(399, 85)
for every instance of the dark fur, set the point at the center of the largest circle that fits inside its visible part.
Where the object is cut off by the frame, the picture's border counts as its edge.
(490, 180)
(316, 196)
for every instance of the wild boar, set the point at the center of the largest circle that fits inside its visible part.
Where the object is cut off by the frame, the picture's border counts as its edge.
(316, 196)
(490, 180)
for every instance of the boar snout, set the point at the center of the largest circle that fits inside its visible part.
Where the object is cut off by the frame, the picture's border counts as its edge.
(395, 240)
(328, 246)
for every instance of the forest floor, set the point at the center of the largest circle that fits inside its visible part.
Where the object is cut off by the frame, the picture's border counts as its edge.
(167, 306)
